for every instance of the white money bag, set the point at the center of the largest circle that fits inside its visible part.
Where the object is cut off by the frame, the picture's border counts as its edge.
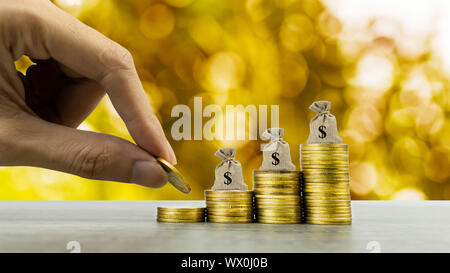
(276, 153)
(228, 172)
(323, 127)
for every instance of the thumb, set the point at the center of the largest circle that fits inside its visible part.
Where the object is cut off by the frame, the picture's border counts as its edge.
(87, 154)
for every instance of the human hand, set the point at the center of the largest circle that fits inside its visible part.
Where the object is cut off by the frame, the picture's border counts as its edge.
(39, 112)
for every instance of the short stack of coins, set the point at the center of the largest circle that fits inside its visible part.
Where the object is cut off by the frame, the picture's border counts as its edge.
(277, 196)
(180, 215)
(229, 206)
(326, 185)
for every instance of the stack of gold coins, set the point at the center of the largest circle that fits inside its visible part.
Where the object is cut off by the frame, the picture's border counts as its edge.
(229, 206)
(326, 185)
(277, 196)
(181, 215)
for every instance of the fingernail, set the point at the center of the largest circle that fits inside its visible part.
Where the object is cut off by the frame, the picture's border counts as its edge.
(148, 174)
(173, 157)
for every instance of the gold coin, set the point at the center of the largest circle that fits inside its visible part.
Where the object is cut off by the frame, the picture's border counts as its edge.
(264, 221)
(335, 202)
(284, 197)
(276, 185)
(280, 210)
(180, 217)
(174, 176)
(230, 200)
(327, 207)
(336, 152)
(327, 183)
(210, 204)
(324, 181)
(228, 193)
(231, 214)
(324, 161)
(277, 191)
(306, 156)
(280, 193)
(329, 220)
(229, 217)
(277, 178)
(318, 154)
(297, 214)
(181, 209)
(174, 215)
(316, 222)
(292, 175)
(323, 165)
(274, 181)
(278, 205)
(324, 146)
(277, 175)
(258, 172)
(236, 221)
(325, 174)
(331, 190)
(325, 169)
(188, 220)
(327, 210)
(282, 187)
(279, 217)
(327, 203)
(332, 156)
(328, 178)
(180, 220)
(277, 201)
(325, 198)
(309, 172)
(315, 214)
(227, 207)
(276, 218)
(339, 194)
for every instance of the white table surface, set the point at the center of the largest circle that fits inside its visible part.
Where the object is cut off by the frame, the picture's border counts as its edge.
(130, 226)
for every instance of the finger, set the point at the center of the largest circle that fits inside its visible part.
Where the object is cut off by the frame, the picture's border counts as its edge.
(87, 154)
(77, 101)
(89, 53)
(57, 98)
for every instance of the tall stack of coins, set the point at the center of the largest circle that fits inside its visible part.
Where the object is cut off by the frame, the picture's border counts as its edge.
(277, 196)
(326, 185)
(229, 206)
(180, 215)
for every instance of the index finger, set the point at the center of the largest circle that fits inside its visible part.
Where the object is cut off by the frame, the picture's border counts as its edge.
(91, 54)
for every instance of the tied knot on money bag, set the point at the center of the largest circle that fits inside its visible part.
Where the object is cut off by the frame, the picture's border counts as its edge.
(323, 127)
(228, 172)
(276, 153)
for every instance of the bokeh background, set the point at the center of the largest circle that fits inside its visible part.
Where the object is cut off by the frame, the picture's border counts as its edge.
(384, 65)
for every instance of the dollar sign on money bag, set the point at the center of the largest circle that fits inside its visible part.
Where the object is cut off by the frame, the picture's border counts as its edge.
(227, 176)
(275, 157)
(322, 129)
